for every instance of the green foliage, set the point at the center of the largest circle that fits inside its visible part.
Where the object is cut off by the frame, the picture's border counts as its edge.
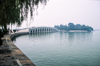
(71, 26)
(15, 11)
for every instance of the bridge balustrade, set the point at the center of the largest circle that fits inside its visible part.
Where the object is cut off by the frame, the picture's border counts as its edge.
(42, 30)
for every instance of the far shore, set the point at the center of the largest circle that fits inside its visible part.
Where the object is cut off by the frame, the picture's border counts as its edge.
(74, 31)
(77, 31)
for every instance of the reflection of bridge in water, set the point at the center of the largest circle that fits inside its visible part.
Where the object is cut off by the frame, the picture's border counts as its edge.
(42, 30)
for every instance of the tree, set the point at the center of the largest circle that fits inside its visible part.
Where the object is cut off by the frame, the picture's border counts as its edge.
(83, 27)
(89, 29)
(71, 26)
(15, 11)
(66, 27)
(61, 27)
(56, 26)
(78, 27)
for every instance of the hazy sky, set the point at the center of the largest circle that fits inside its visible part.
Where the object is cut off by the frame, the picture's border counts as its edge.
(58, 12)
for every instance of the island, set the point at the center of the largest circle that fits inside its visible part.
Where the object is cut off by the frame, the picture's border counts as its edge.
(74, 28)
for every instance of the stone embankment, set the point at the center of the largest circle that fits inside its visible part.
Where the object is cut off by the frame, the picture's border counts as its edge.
(11, 55)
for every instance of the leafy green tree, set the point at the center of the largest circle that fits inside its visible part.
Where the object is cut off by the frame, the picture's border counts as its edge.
(56, 26)
(66, 27)
(61, 27)
(15, 11)
(71, 26)
(78, 27)
(83, 27)
(88, 28)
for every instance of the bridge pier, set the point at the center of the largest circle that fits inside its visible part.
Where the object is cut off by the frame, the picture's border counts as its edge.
(42, 30)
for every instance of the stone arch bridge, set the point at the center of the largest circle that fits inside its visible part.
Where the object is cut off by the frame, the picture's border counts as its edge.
(42, 30)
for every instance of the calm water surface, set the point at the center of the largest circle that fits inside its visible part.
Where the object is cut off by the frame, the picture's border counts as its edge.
(61, 49)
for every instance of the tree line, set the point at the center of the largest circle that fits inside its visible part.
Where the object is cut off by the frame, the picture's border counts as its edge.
(71, 26)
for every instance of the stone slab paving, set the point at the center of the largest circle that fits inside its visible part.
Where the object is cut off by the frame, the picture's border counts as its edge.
(11, 55)
(6, 57)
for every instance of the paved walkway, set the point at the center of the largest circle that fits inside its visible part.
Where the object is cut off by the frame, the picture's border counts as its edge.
(6, 57)
(11, 55)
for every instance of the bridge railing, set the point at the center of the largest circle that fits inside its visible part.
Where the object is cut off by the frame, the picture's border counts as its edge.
(42, 30)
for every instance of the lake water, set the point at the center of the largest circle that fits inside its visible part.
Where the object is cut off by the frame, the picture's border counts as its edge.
(61, 49)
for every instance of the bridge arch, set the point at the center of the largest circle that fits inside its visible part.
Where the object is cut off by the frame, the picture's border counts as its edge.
(42, 30)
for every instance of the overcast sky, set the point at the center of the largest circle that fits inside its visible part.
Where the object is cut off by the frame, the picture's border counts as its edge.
(58, 12)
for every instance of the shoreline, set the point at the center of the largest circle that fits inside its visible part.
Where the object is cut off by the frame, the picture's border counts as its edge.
(74, 31)
(11, 55)
(77, 31)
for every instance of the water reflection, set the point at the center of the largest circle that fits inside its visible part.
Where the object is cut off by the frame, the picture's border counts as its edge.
(61, 35)
(72, 49)
(71, 37)
(39, 34)
(16, 37)
(79, 37)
